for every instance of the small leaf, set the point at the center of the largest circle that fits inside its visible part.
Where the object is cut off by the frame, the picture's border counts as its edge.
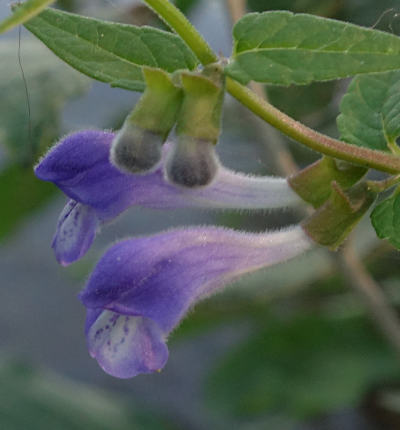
(370, 111)
(386, 219)
(23, 13)
(108, 51)
(314, 183)
(330, 224)
(285, 48)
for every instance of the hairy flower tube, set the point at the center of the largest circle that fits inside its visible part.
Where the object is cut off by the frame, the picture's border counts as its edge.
(79, 165)
(142, 288)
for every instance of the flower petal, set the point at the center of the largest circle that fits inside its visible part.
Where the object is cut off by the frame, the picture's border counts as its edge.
(76, 230)
(79, 165)
(161, 276)
(125, 346)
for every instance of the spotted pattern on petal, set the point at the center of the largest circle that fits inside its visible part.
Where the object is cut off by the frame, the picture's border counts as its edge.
(126, 345)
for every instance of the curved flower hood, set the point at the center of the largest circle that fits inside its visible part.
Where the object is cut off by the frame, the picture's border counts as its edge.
(142, 288)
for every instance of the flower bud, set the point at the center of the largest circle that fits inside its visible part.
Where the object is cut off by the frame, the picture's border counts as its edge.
(193, 162)
(137, 146)
(314, 183)
(135, 150)
(332, 222)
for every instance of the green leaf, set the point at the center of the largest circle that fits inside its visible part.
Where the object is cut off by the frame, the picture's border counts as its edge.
(285, 48)
(303, 367)
(49, 84)
(370, 111)
(386, 219)
(314, 183)
(23, 13)
(108, 51)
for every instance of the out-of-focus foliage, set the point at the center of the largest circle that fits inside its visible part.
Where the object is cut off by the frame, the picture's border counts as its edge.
(50, 83)
(185, 5)
(23, 193)
(301, 366)
(365, 12)
(36, 400)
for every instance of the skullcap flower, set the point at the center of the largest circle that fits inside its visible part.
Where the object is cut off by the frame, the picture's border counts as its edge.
(80, 166)
(142, 288)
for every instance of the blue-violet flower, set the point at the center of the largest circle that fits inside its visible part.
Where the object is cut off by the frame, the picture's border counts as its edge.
(79, 165)
(141, 288)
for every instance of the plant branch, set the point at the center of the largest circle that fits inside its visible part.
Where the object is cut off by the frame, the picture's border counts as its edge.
(178, 22)
(385, 184)
(319, 142)
(276, 145)
(372, 294)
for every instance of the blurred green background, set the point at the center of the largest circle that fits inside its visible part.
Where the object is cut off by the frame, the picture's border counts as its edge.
(290, 348)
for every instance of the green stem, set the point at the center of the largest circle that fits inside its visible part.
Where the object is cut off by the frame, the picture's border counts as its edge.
(22, 13)
(380, 186)
(393, 147)
(326, 145)
(178, 22)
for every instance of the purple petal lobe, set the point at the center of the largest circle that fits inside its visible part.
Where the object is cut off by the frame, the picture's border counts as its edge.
(126, 346)
(79, 165)
(74, 155)
(76, 230)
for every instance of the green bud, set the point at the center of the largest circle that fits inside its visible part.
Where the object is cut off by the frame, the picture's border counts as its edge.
(313, 184)
(333, 221)
(137, 146)
(193, 162)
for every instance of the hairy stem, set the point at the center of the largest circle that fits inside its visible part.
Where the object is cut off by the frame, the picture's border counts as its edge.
(309, 137)
(385, 184)
(282, 157)
(175, 19)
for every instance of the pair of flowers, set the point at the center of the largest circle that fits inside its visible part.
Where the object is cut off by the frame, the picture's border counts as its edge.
(142, 287)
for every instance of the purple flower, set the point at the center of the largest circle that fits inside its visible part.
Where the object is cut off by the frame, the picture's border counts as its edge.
(79, 165)
(142, 288)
